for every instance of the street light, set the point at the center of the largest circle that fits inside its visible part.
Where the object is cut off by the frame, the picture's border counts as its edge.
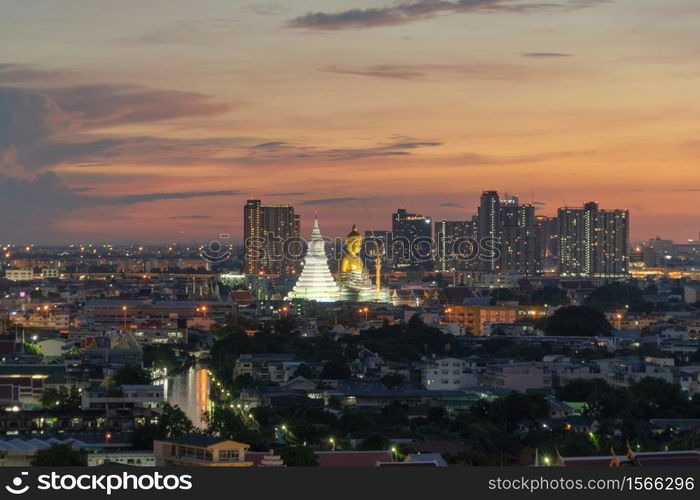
(332, 442)
(449, 314)
(124, 311)
(394, 453)
(364, 310)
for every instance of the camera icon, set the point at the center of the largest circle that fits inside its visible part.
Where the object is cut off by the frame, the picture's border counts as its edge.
(16, 488)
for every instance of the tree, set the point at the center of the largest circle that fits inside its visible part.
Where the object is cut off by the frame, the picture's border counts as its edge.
(657, 398)
(142, 437)
(416, 321)
(375, 442)
(393, 379)
(159, 356)
(298, 456)
(503, 295)
(506, 412)
(577, 321)
(580, 389)
(130, 375)
(173, 422)
(335, 369)
(285, 326)
(550, 295)
(228, 424)
(616, 296)
(58, 455)
(62, 398)
(303, 370)
(32, 348)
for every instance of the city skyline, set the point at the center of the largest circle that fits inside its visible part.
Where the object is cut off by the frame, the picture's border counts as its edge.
(158, 125)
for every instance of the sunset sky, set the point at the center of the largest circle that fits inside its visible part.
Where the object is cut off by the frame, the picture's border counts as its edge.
(154, 120)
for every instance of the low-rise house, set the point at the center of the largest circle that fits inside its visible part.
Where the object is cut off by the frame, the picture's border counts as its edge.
(534, 375)
(103, 355)
(559, 409)
(194, 450)
(446, 374)
(123, 397)
(129, 458)
(627, 371)
(267, 367)
(690, 458)
(21, 385)
(424, 459)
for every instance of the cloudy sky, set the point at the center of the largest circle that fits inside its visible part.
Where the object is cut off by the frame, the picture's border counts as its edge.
(154, 120)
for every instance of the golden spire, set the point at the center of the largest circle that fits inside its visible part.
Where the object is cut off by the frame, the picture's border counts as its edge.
(614, 462)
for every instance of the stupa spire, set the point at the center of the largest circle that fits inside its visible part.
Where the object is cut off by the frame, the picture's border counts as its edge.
(315, 281)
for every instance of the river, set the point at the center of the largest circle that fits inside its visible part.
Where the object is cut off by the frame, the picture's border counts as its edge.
(190, 391)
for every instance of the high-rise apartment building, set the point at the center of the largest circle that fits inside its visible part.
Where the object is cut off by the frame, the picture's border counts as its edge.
(593, 242)
(549, 237)
(512, 230)
(520, 250)
(454, 244)
(411, 238)
(272, 237)
(488, 215)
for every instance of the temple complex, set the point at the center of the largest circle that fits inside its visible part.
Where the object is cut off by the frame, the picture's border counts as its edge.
(315, 281)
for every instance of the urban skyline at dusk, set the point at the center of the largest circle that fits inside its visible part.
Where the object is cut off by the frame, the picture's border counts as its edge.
(349, 233)
(161, 120)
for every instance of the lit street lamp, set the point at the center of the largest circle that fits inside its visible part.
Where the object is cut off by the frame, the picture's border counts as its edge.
(364, 310)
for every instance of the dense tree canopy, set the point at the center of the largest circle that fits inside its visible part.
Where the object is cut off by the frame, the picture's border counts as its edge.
(159, 356)
(298, 456)
(58, 455)
(61, 398)
(615, 296)
(578, 321)
(551, 296)
(130, 375)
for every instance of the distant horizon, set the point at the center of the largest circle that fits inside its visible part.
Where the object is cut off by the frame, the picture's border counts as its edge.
(156, 123)
(338, 230)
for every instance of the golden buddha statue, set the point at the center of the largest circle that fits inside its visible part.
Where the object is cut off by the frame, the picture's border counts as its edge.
(351, 261)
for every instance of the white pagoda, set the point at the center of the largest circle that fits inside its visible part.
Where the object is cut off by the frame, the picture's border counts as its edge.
(315, 281)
